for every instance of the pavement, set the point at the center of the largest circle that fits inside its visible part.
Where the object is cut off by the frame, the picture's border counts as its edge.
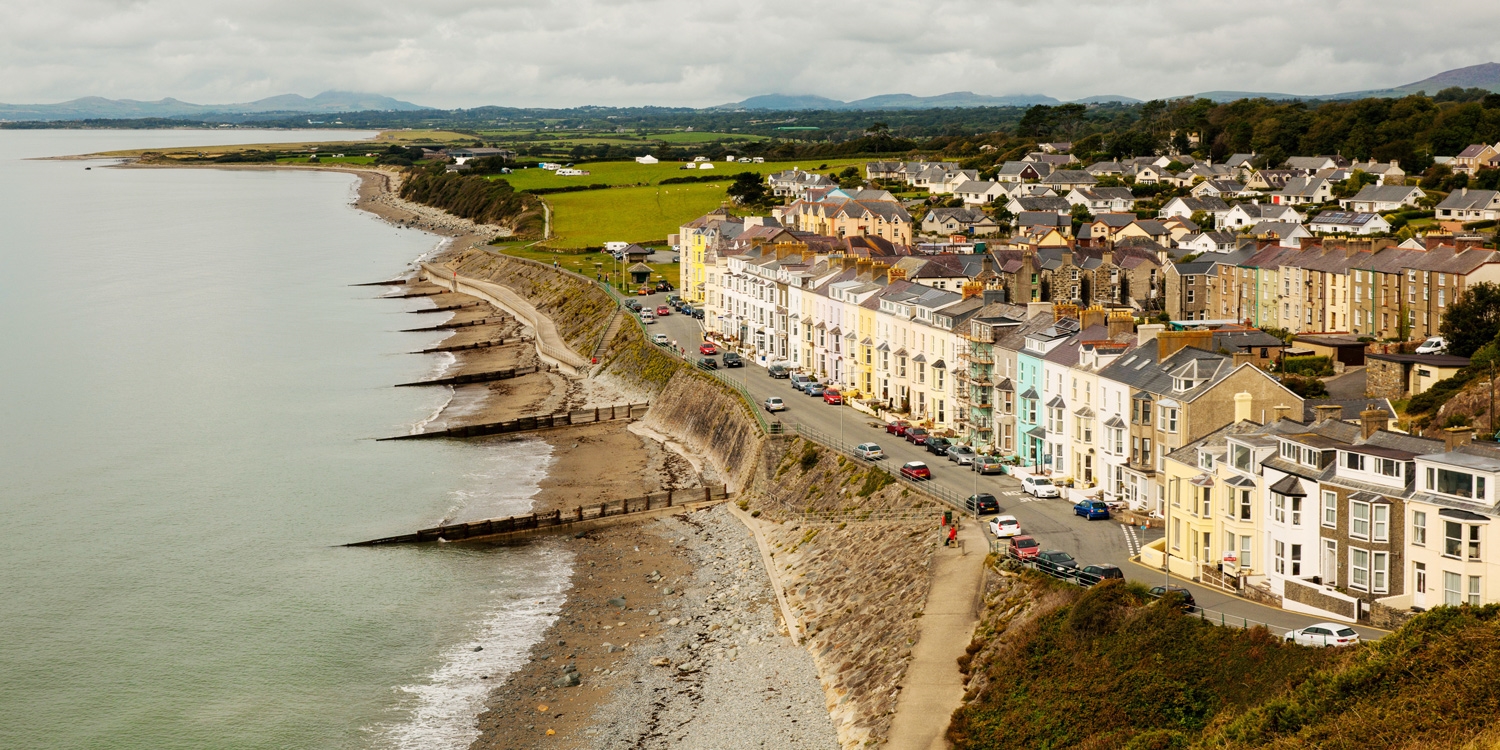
(1052, 522)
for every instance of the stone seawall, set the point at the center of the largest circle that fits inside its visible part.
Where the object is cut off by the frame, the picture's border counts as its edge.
(710, 420)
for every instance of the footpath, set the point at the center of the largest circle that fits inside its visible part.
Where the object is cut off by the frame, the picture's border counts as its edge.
(934, 688)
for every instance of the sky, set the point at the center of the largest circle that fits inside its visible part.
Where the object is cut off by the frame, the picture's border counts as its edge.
(561, 53)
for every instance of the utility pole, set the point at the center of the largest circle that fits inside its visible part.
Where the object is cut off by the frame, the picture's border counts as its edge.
(1492, 400)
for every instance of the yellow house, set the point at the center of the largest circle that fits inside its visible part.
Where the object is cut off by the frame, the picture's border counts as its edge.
(1210, 501)
(695, 240)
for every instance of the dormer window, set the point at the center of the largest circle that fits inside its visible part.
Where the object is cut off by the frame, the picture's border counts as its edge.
(1180, 384)
(1456, 483)
(1206, 461)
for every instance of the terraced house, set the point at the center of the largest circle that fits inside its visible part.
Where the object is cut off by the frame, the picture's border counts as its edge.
(849, 213)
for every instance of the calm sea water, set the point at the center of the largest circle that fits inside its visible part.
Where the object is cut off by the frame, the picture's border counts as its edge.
(188, 391)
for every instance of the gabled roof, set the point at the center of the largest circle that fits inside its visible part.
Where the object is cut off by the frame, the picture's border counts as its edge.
(1385, 193)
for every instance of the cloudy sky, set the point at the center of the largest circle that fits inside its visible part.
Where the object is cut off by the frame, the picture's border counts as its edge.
(462, 53)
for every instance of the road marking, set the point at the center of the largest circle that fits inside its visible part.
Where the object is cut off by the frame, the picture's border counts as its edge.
(1132, 542)
(1011, 494)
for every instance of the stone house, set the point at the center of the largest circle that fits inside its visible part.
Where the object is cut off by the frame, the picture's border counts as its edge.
(1187, 294)
(1401, 376)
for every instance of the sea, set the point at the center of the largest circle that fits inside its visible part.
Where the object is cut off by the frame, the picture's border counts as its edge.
(190, 396)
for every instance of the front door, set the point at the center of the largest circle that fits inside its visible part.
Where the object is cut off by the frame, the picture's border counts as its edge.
(1419, 587)
(1330, 562)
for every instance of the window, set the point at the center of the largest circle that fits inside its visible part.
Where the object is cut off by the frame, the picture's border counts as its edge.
(1146, 452)
(1244, 561)
(1354, 461)
(1296, 559)
(1359, 569)
(1452, 595)
(1419, 528)
(1459, 544)
(1119, 441)
(1296, 511)
(1381, 524)
(1281, 558)
(1207, 501)
(1474, 590)
(1239, 457)
(1311, 457)
(1387, 468)
(1169, 419)
(1330, 509)
(1379, 571)
(1245, 506)
(1359, 520)
(1278, 508)
(1289, 451)
(1206, 461)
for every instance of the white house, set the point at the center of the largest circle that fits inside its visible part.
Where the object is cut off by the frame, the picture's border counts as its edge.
(1382, 198)
(1250, 214)
(1349, 222)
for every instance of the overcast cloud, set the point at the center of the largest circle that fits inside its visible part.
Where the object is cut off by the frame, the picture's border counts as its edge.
(464, 53)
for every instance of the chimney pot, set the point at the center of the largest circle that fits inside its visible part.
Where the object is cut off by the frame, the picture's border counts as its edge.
(1242, 403)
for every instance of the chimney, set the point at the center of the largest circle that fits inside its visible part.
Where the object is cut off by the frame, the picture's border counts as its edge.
(1373, 420)
(1038, 308)
(1120, 323)
(1171, 342)
(1093, 316)
(1281, 410)
(1242, 358)
(1146, 332)
(1456, 437)
(973, 289)
(1242, 401)
(1325, 412)
(994, 296)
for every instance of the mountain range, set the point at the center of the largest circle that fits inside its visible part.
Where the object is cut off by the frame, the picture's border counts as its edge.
(94, 107)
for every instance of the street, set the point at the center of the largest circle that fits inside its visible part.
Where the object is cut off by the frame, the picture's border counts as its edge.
(1051, 521)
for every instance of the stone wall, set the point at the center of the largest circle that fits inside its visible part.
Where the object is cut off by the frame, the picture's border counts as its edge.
(1385, 379)
(1387, 618)
(1314, 596)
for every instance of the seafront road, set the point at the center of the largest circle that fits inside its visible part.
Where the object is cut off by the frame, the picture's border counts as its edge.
(1052, 522)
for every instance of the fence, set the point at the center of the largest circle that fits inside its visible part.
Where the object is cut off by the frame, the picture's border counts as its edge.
(935, 491)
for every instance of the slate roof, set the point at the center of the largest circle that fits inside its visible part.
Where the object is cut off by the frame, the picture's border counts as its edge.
(1383, 193)
(1043, 203)
(1470, 199)
(1345, 218)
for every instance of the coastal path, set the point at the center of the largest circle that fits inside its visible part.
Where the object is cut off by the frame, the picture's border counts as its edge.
(1052, 522)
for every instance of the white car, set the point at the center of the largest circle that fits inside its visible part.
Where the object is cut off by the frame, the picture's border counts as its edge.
(648, 318)
(1038, 486)
(774, 404)
(1324, 634)
(660, 338)
(1004, 527)
(1434, 345)
(869, 451)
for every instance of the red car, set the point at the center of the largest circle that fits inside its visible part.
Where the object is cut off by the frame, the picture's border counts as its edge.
(916, 435)
(663, 311)
(916, 470)
(897, 427)
(1023, 547)
(831, 396)
(708, 348)
(643, 291)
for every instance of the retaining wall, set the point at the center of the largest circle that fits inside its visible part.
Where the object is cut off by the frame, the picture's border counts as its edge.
(711, 421)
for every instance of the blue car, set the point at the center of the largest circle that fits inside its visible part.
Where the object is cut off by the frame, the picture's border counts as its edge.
(1092, 510)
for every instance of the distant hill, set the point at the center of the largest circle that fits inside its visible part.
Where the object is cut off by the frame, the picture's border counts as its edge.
(1107, 99)
(888, 101)
(94, 107)
(1482, 76)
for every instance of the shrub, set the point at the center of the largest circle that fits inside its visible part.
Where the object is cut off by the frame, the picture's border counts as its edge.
(1316, 366)
(1458, 420)
(1306, 387)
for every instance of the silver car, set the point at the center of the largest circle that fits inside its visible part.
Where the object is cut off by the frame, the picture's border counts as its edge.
(987, 464)
(962, 455)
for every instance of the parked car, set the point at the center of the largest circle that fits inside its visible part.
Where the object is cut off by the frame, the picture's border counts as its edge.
(937, 446)
(1057, 562)
(778, 372)
(800, 381)
(987, 464)
(814, 389)
(962, 455)
(832, 396)
(1092, 510)
(1324, 634)
(643, 291)
(1004, 527)
(708, 347)
(647, 317)
(698, 313)
(1181, 596)
(733, 360)
(915, 470)
(869, 451)
(663, 311)
(1023, 547)
(774, 404)
(1038, 486)
(1092, 574)
(708, 363)
(898, 427)
(916, 435)
(633, 306)
(1434, 345)
(661, 339)
(982, 503)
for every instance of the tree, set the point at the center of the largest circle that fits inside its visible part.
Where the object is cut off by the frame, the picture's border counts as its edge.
(747, 189)
(1473, 319)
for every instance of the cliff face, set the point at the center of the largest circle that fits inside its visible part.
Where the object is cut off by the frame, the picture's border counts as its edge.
(579, 308)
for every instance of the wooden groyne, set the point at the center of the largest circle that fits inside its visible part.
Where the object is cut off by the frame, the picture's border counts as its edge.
(392, 282)
(447, 308)
(432, 293)
(621, 412)
(581, 518)
(450, 326)
(475, 345)
(475, 377)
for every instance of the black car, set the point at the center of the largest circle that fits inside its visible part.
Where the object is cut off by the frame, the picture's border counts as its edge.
(733, 360)
(633, 306)
(1177, 596)
(984, 502)
(1057, 562)
(938, 446)
(698, 313)
(779, 372)
(708, 363)
(1092, 574)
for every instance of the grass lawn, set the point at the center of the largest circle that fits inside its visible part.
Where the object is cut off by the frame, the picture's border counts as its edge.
(422, 136)
(681, 137)
(631, 173)
(588, 264)
(633, 214)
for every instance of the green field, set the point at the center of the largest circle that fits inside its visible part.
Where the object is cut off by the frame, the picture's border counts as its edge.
(632, 214)
(631, 173)
(696, 137)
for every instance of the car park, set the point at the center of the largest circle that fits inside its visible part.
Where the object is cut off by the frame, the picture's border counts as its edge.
(982, 503)
(1324, 634)
(660, 339)
(778, 372)
(916, 435)
(869, 451)
(832, 396)
(1092, 510)
(1182, 597)
(1005, 527)
(915, 470)
(774, 404)
(708, 363)
(1092, 574)
(1056, 562)
(987, 464)
(1023, 547)
(733, 360)
(814, 389)
(1038, 486)
(897, 428)
(962, 455)
(937, 446)
(707, 347)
